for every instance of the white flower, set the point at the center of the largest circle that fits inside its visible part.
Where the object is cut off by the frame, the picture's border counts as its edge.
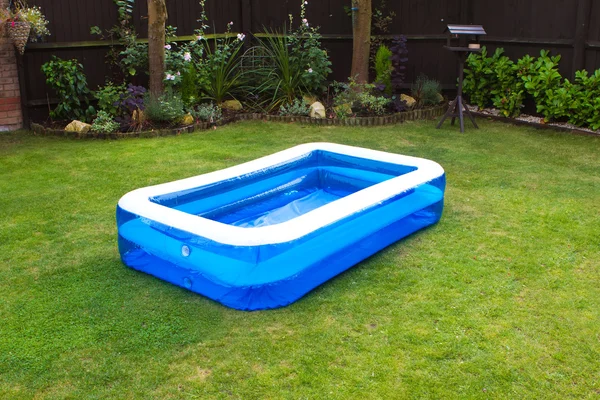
(187, 56)
(170, 77)
(230, 23)
(199, 37)
(178, 73)
(306, 2)
(305, 21)
(241, 36)
(168, 46)
(310, 70)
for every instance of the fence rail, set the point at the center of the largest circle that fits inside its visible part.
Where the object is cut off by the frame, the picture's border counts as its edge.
(567, 27)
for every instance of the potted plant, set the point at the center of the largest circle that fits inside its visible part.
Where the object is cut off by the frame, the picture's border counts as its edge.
(23, 23)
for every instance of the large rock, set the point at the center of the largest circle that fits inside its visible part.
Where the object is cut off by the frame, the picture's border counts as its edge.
(78, 126)
(233, 105)
(410, 101)
(317, 110)
(187, 119)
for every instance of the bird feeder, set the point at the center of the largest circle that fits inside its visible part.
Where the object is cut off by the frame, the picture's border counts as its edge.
(462, 40)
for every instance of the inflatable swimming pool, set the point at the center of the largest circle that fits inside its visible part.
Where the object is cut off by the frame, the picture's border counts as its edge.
(262, 234)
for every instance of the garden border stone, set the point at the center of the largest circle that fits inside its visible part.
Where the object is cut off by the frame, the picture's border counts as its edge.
(411, 115)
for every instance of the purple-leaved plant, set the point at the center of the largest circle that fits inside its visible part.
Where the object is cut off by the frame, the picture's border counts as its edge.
(132, 100)
(399, 59)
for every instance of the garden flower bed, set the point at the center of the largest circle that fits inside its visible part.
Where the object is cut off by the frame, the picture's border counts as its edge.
(412, 115)
(215, 79)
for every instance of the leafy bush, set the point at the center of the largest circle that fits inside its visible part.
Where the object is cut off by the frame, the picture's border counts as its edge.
(132, 58)
(585, 99)
(207, 112)
(508, 94)
(503, 83)
(384, 69)
(480, 79)
(109, 97)
(104, 123)
(308, 54)
(360, 97)
(67, 79)
(494, 81)
(426, 91)
(189, 86)
(168, 108)
(541, 79)
(297, 107)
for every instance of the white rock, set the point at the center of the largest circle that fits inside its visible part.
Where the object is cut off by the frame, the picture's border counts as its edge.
(317, 110)
(78, 126)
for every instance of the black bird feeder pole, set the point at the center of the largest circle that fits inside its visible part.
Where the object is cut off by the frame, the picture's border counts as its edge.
(458, 35)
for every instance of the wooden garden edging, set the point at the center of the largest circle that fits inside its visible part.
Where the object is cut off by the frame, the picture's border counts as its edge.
(412, 115)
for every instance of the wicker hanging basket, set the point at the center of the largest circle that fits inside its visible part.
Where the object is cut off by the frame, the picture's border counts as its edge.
(18, 32)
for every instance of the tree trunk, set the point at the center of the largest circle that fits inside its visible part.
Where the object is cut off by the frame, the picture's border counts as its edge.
(361, 31)
(157, 18)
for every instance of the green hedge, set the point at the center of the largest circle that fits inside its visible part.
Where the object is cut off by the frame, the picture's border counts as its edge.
(498, 81)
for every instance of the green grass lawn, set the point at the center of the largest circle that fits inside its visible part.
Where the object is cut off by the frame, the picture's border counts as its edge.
(500, 299)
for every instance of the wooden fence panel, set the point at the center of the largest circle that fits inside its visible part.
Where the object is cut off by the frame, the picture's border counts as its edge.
(567, 27)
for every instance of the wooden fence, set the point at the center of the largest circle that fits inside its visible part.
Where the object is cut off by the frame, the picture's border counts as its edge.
(567, 27)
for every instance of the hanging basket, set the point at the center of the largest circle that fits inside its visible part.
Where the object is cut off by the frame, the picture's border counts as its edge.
(18, 32)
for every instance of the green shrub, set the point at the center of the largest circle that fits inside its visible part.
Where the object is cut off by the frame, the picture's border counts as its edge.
(383, 69)
(67, 79)
(479, 77)
(503, 83)
(542, 79)
(167, 108)
(104, 123)
(297, 107)
(508, 93)
(109, 97)
(189, 86)
(426, 91)
(308, 55)
(585, 99)
(208, 112)
(359, 97)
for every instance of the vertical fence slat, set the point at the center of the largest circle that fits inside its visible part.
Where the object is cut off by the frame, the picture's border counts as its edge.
(584, 7)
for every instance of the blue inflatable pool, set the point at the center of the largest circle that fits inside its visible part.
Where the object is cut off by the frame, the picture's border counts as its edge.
(262, 234)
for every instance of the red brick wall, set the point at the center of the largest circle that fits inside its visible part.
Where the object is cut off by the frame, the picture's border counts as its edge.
(11, 117)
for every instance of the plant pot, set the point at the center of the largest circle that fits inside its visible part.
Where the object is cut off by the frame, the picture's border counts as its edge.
(18, 32)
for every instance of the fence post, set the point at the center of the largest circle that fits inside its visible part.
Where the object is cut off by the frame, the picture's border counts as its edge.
(581, 35)
(246, 7)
